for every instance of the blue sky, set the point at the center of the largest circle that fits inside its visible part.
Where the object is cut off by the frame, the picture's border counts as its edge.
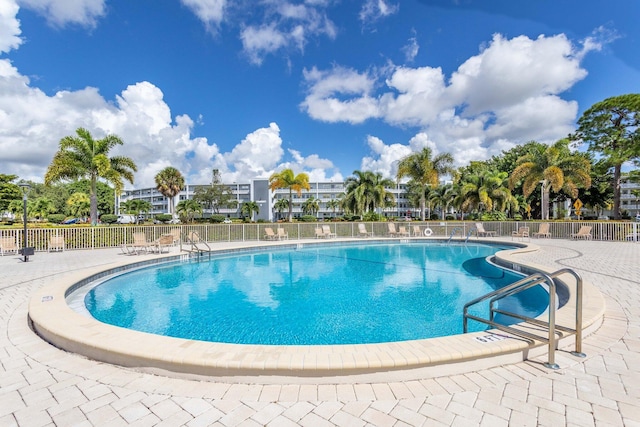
(320, 86)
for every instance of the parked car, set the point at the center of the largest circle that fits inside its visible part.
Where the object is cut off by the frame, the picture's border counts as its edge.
(126, 219)
(71, 221)
(227, 221)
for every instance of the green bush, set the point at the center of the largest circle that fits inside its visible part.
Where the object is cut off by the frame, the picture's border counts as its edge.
(371, 216)
(449, 217)
(493, 216)
(109, 218)
(164, 217)
(56, 218)
(308, 218)
(217, 219)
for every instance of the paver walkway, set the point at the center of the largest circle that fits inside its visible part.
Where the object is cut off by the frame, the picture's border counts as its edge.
(43, 386)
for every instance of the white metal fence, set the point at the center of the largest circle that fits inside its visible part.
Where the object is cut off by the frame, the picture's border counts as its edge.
(114, 236)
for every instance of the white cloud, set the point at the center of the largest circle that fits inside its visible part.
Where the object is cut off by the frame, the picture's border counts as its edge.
(285, 26)
(384, 158)
(210, 12)
(507, 94)
(9, 26)
(411, 49)
(323, 101)
(259, 153)
(59, 13)
(373, 10)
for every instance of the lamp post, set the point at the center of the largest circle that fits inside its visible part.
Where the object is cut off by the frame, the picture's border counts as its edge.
(25, 187)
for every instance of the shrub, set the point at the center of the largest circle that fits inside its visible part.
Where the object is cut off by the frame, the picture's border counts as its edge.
(434, 217)
(56, 218)
(450, 218)
(371, 216)
(308, 218)
(217, 219)
(164, 217)
(109, 218)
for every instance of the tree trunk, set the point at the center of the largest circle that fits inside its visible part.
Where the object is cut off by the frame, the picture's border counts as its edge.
(93, 207)
(617, 172)
(422, 206)
(290, 205)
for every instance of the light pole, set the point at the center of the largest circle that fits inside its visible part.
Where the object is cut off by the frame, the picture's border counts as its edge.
(25, 187)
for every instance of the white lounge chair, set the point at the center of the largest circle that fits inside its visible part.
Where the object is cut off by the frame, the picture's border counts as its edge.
(269, 234)
(282, 234)
(543, 231)
(327, 232)
(56, 243)
(481, 232)
(392, 229)
(583, 233)
(362, 231)
(522, 233)
(8, 244)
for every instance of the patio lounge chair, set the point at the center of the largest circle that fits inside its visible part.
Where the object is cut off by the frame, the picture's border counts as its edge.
(282, 234)
(56, 243)
(416, 231)
(319, 233)
(164, 242)
(269, 234)
(8, 244)
(362, 231)
(327, 231)
(175, 233)
(403, 232)
(392, 229)
(522, 233)
(543, 231)
(481, 232)
(139, 244)
(583, 233)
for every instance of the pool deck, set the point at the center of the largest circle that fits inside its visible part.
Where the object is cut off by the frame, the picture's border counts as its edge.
(41, 385)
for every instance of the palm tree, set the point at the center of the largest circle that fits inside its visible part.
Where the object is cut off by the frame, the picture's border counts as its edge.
(169, 182)
(424, 170)
(248, 208)
(43, 207)
(287, 179)
(334, 204)
(281, 205)
(366, 191)
(311, 206)
(442, 196)
(556, 168)
(83, 157)
(188, 209)
(78, 205)
(486, 191)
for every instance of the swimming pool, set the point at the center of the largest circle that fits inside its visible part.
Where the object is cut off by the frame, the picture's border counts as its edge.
(312, 295)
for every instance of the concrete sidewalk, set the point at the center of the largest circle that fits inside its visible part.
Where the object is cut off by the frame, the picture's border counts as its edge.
(41, 385)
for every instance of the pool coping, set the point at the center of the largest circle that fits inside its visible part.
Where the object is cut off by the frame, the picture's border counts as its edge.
(58, 324)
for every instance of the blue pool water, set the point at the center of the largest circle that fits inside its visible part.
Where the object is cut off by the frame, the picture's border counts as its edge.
(367, 293)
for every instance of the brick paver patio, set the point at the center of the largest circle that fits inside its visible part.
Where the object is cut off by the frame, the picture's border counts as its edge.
(44, 386)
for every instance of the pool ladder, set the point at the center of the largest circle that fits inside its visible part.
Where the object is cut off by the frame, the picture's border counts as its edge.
(550, 326)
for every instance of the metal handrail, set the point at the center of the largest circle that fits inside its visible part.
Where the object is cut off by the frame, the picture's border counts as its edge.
(521, 285)
(453, 232)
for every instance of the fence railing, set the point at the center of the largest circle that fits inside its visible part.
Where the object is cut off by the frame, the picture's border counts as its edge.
(115, 236)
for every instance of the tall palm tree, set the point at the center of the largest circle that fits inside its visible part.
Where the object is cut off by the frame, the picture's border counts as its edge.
(248, 208)
(169, 182)
(83, 157)
(287, 179)
(311, 206)
(424, 170)
(366, 191)
(556, 167)
(281, 205)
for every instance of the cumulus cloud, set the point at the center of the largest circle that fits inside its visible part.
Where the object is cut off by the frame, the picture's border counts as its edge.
(285, 26)
(507, 94)
(59, 13)
(9, 27)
